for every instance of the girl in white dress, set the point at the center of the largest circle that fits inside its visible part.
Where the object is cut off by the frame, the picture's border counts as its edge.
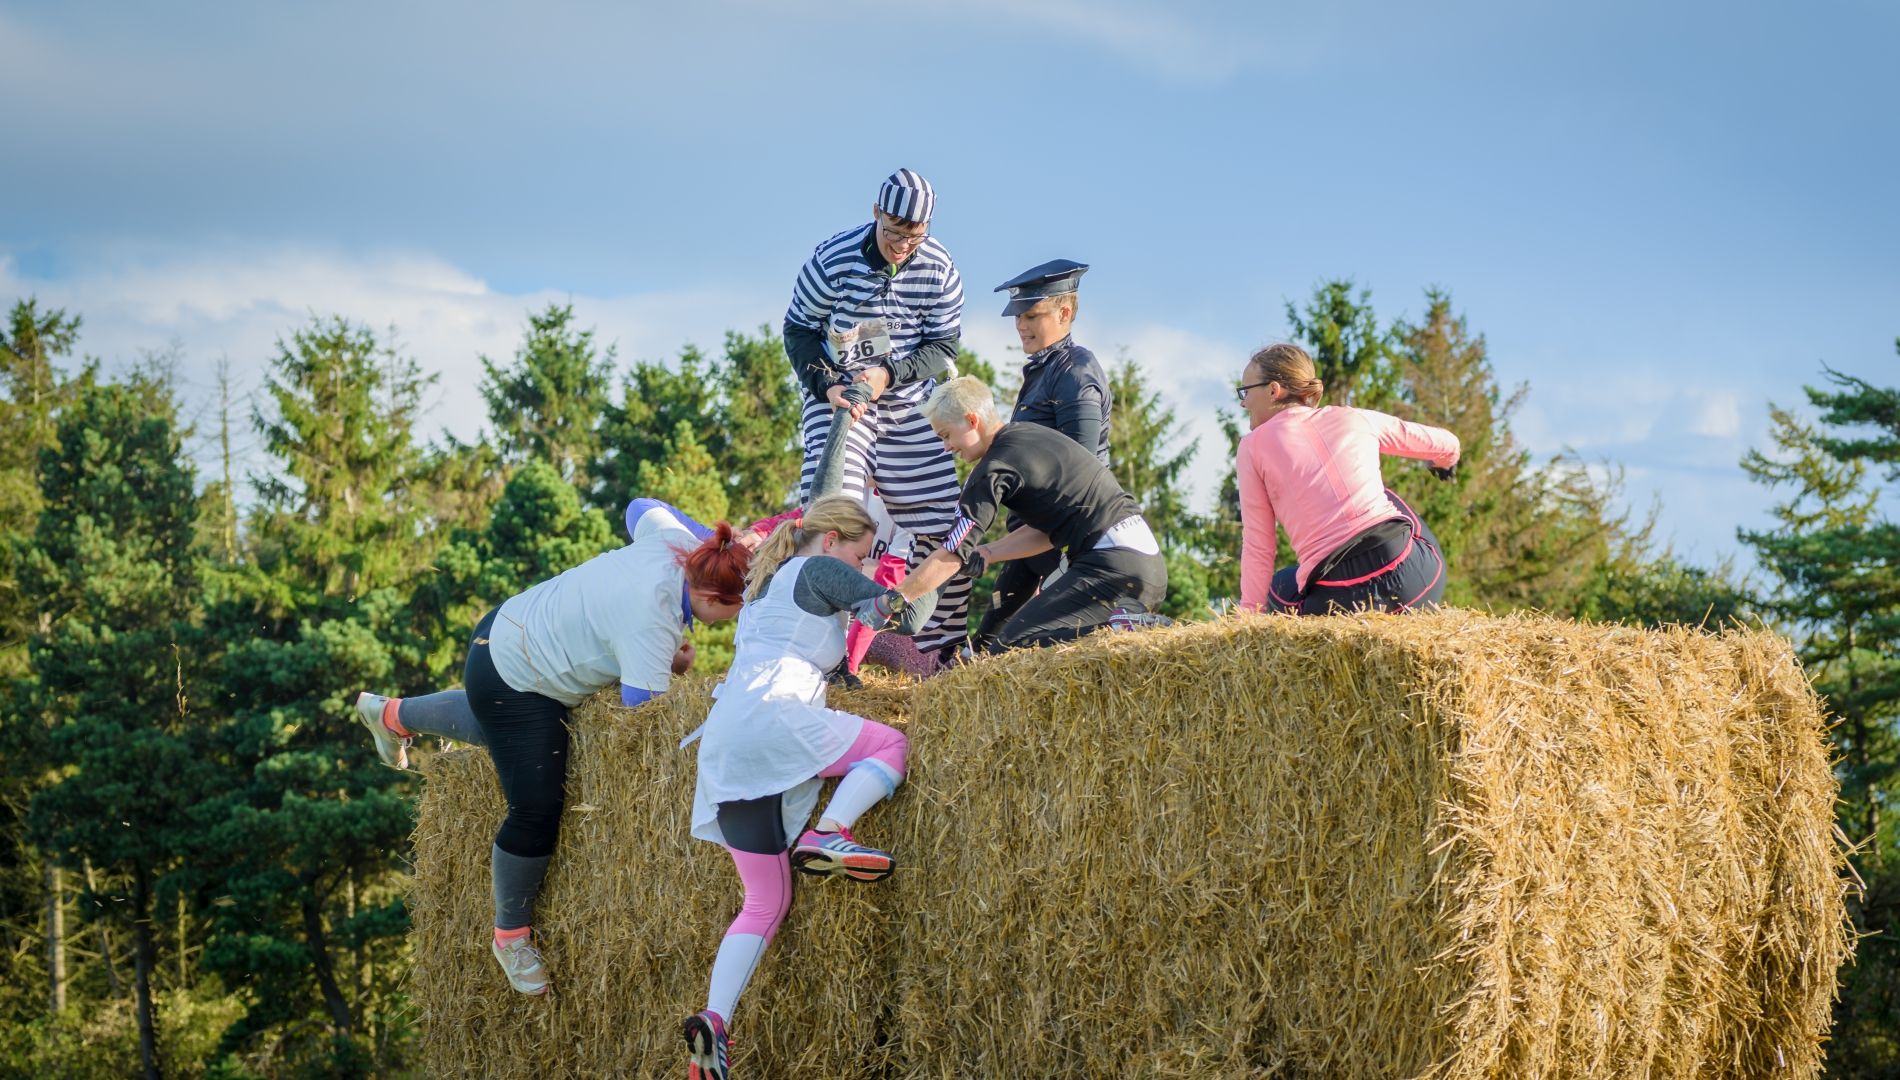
(769, 742)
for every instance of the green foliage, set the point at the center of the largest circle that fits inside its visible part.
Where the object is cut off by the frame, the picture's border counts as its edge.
(686, 476)
(112, 568)
(1352, 355)
(1835, 567)
(755, 439)
(718, 438)
(545, 407)
(1516, 535)
(300, 846)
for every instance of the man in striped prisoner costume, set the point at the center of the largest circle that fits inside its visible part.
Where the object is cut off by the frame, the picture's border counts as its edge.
(882, 304)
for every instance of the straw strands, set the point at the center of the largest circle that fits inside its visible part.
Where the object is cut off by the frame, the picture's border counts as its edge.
(1448, 847)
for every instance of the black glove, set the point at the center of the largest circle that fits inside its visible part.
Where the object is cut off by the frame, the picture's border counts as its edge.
(974, 563)
(1447, 472)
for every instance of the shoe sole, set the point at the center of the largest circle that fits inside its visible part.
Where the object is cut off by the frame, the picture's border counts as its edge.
(702, 1053)
(388, 747)
(857, 867)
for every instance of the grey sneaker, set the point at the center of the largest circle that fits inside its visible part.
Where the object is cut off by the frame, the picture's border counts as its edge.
(393, 750)
(521, 962)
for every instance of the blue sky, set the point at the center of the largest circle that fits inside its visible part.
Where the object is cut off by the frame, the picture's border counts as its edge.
(1662, 217)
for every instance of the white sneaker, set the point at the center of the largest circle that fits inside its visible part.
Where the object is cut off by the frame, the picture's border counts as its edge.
(521, 962)
(393, 750)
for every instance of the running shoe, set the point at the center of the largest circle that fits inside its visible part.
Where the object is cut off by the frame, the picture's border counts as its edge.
(839, 853)
(393, 749)
(708, 1051)
(522, 963)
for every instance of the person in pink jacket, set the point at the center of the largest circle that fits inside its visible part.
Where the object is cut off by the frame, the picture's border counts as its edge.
(1315, 470)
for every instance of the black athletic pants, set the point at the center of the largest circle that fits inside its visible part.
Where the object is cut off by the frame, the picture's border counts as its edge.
(1393, 566)
(1082, 599)
(527, 739)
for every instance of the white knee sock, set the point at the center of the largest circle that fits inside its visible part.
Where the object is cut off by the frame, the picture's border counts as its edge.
(732, 969)
(864, 786)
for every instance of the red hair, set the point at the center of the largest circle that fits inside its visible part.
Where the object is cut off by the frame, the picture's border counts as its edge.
(718, 566)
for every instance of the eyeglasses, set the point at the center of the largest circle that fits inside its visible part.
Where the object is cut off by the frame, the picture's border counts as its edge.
(900, 239)
(1240, 391)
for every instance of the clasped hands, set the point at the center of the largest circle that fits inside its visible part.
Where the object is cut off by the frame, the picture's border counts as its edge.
(875, 379)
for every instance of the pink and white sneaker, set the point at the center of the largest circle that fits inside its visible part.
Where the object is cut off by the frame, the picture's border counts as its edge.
(839, 853)
(708, 1051)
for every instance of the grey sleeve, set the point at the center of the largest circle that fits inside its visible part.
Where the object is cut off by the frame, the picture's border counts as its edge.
(827, 586)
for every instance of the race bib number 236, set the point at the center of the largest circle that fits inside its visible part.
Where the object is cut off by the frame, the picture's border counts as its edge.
(864, 343)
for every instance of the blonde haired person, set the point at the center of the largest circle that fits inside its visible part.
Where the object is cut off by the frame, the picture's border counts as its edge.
(1315, 470)
(769, 742)
(1067, 500)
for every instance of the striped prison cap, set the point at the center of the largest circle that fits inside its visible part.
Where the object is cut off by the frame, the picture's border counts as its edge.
(907, 196)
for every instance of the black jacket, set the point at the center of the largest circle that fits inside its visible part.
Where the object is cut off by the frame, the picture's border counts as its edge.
(1065, 389)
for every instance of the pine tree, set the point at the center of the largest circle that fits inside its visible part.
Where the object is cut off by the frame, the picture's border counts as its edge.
(547, 405)
(112, 568)
(686, 475)
(308, 839)
(756, 437)
(1350, 351)
(1835, 562)
(1516, 534)
(33, 389)
(639, 430)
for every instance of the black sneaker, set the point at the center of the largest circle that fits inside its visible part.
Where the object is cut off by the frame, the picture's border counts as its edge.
(842, 678)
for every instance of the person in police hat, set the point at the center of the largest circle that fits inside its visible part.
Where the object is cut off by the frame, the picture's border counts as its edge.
(1064, 389)
(882, 304)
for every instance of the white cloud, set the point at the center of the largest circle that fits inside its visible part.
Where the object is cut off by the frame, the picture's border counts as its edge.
(1720, 417)
(236, 303)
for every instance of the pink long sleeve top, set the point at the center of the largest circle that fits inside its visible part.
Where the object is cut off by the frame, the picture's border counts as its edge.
(1316, 471)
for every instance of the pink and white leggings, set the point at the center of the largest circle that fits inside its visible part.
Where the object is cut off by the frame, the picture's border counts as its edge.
(871, 769)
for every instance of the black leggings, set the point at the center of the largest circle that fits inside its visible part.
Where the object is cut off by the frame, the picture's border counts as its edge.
(755, 825)
(1082, 599)
(527, 739)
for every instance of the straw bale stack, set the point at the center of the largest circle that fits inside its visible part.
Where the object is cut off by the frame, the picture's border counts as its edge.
(1446, 846)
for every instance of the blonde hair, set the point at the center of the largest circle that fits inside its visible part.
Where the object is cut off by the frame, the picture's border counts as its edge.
(958, 398)
(1290, 366)
(841, 514)
(1074, 300)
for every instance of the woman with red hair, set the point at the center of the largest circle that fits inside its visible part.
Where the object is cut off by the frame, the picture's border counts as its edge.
(618, 617)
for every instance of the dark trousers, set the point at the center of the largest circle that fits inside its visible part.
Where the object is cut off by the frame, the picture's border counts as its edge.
(527, 740)
(1082, 599)
(1394, 566)
(1016, 584)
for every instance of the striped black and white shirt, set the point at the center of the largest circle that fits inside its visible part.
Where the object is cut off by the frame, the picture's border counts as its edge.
(846, 282)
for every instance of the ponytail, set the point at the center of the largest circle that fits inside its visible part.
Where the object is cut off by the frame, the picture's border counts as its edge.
(717, 566)
(1291, 367)
(770, 555)
(841, 514)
